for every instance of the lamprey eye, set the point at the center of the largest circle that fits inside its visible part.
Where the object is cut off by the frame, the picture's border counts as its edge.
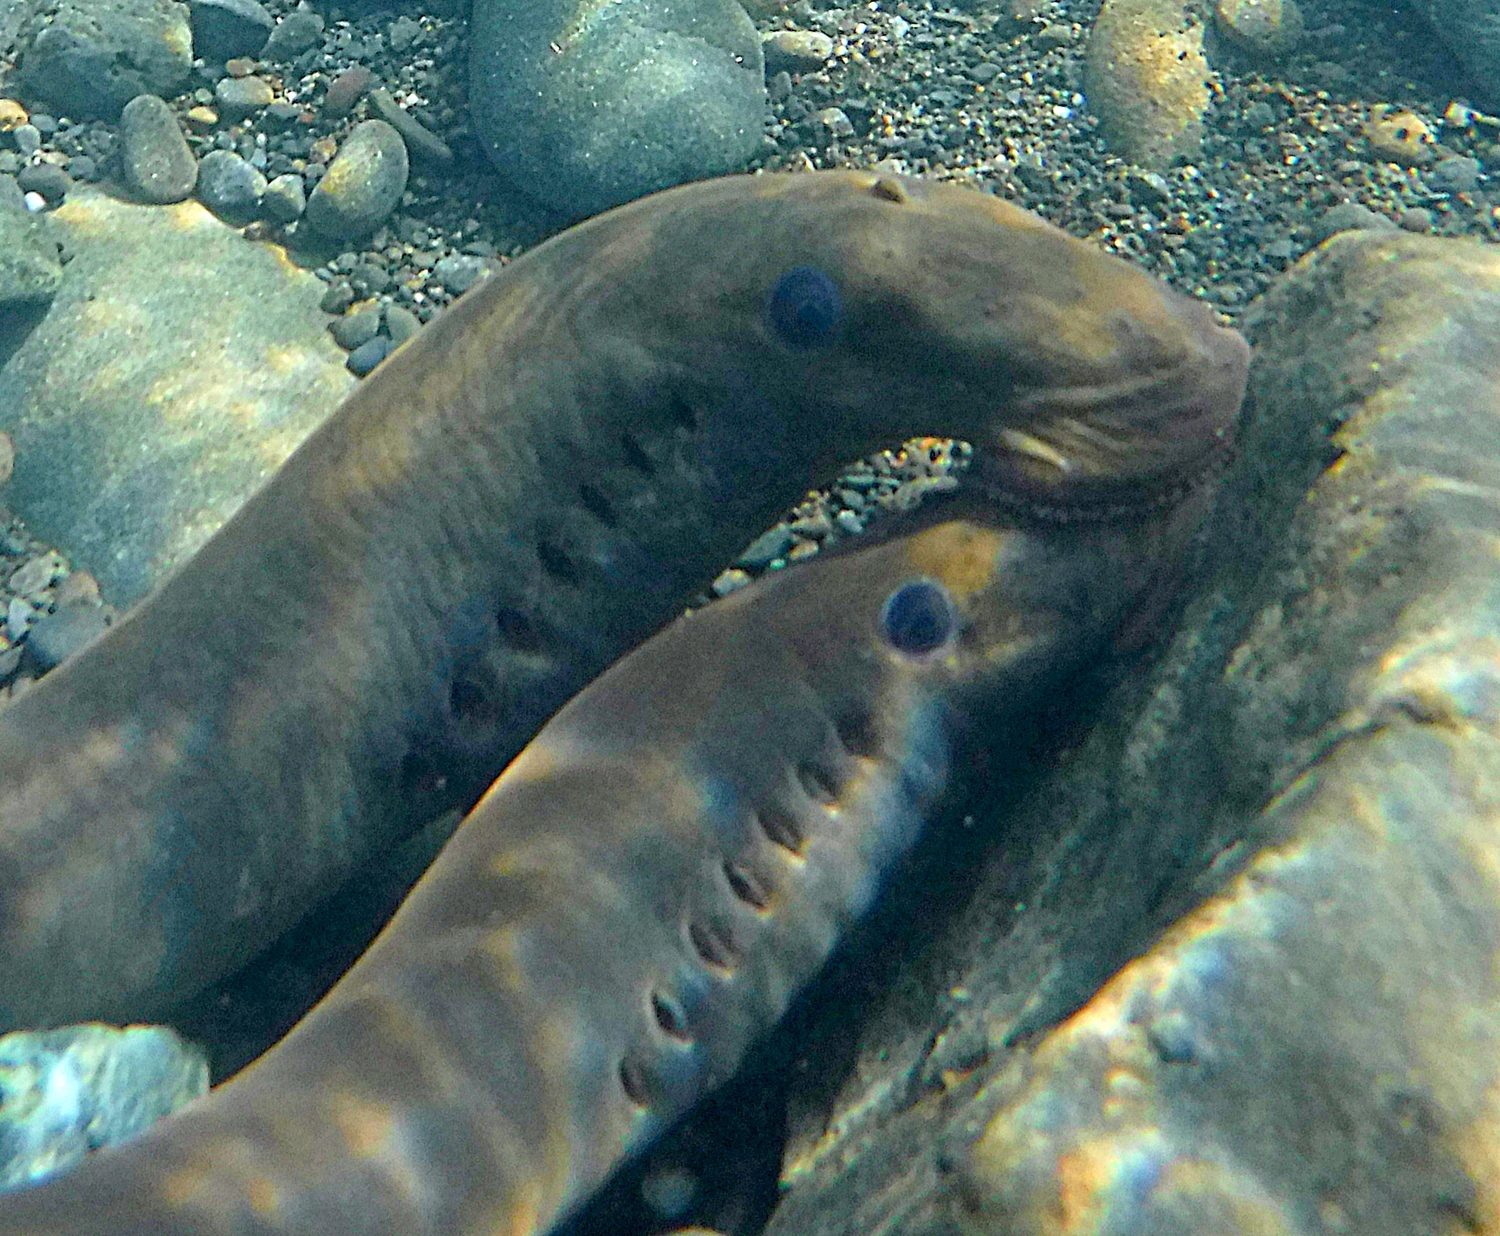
(804, 309)
(918, 617)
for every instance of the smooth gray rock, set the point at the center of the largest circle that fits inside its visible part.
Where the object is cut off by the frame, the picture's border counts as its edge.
(285, 198)
(585, 106)
(91, 57)
(224, 29)
(177, 367)
(30, 275)
(1230, 967)
(230, 187)
(157, 164)
(421, 142)
(293, 35)
(239, 97)
(55, 637)
(66, 1092)
(363, 184)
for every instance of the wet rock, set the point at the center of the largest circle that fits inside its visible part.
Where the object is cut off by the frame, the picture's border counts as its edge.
(369, 354)
(154, 156)
(29, 270)
(1471, 31)
(346, 90)
(224, 29)
(1400, 136)
(355, 329)
(1455, 174)
(230, 187)
(285, 198)
(587, 106)
(796, 51)
(1232, 969)
(176, 368)
(363, 184)
(91, 57)
(1268, 29)
(401, 324)
(1350, 216)
(68, 1091)
(56, 637)
(458, 272)
(47, 179)
(421, 142)
(1146, 79)
(294, 34)
(238, 97)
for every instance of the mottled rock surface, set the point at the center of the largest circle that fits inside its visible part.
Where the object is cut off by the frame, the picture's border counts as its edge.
(1286, 831)
(177, 367)
(586, 105)
(66, 1092)
(1146, 79)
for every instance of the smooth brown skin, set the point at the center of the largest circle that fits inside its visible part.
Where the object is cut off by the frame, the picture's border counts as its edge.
(635, 899)
(518, 496)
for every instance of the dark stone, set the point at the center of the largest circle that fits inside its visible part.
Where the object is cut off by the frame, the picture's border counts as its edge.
(369, 354)
(421, 142)
(157, 164)
(356, 329)
(47, 179)
(230, 187)
(56, 637)
(363, 184)
(91, 57)
(298, 32)
(224, 29)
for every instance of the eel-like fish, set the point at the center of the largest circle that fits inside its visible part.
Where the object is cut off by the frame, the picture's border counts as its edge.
(633, 901)
(517, 497)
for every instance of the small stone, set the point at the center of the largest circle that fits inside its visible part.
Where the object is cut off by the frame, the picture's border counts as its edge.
(1350, 216)
(202, 118)
(19, 616)
(368, 279)
(795, 50)
(369, 354)
(37, 575)
(459, 272)
(79, 588)
(849, 522)
(284, 198)
(293, 35)
(12, 116)
(27, 139)
(47, 179)
(403, 33)
(363, 184)
(1400, 137)
(238, 97)
(420, 141)
(157, 164)
(337, 298)
(1455, 174)
(230, 187)
(81, 167)
(768, 546)
(1265, 28)
(835, 122)
(34, 202)
(400, 324)
(729, 581)
(225, 29)
(240, 66)
(54, 638)
(984, 73)
(346, 90)
(356, 329)
(1415, 219)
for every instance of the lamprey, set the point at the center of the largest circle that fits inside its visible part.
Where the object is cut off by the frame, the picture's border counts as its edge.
(635, 899)
(522, 493)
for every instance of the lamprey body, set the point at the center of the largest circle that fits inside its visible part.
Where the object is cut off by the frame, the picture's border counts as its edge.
(523, 492)
(635, 899)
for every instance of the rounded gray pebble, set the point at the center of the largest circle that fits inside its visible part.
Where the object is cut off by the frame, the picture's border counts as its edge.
(284, 199)
(158, 166)
(401, 324)
(47, 179)
(1455, 174)
(338, 298)
(230, 187)
(56, 637)
(356, 330)
(238, 97)
(363, 184)
(796, 49)
(766, 547)
(27, 139)
(459, 272)
(19, 615)
(369, 354)
(1351, 216)
(223, 29)
(293, 35)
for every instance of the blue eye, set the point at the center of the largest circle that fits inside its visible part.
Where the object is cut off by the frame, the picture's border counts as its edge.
(918, 617)
(803, 309)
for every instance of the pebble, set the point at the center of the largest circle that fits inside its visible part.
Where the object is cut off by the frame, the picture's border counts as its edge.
(285, 198)
(202, 118)
(795, 50)
(400, 324)
(54, 638)
(729, 581)
(363, 184)
(1400, 136)
(369, 354)
(459, 272)
(767, 547)
(238, 97)
(1455, 174)
(155, 159)
(1350, 216)
(224, 29)
(83, 168)
(355, 330)
(337, 298)
(420, 141)
(1268, 29)
(47, 179)
(19, 616)
(27, 139)
(294, 34)
(33, 579)
(230, 187)
(346, 90)
(1415, 219)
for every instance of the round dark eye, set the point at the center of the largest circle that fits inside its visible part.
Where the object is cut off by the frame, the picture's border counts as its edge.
(918, 617)
(803, 309)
